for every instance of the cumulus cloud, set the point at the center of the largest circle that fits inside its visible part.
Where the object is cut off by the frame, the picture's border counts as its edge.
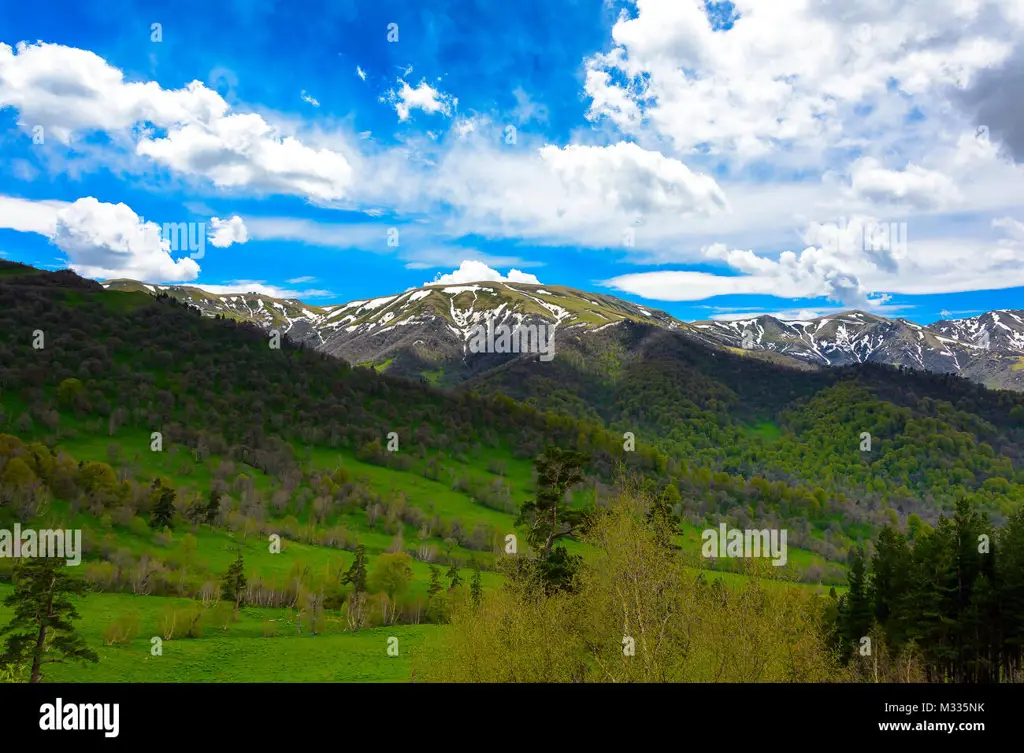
(225, 232)
(914, 187)
(587, 195)
(70, 91)
(750, 91)
(477, 271)
(104, 240)
(423, 97)
(109, 240)
(842, 270)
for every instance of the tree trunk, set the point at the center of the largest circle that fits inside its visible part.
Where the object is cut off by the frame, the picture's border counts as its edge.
(38, 655)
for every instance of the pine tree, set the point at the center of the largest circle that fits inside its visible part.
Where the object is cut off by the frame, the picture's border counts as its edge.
(453, 576)
(549, 517)
(855, 606)
(435, 586)
(233, 584)
(356, 575)
(41, 631)
(476, 590)
(213, 507)
(163, 512)
(890, 568)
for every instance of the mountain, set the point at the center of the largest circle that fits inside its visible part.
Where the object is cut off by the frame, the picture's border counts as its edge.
(740, 438)
(988, 349)
(427, 332)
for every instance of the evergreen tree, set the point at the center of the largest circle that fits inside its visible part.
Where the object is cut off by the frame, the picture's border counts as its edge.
(356, 574)
(435, 586)
(41, 631)
(453, 577)
(476, 590)
(163, 511)
(548, 516)
(213, 507)
(233, 584)
(890, 568)
(855, 605)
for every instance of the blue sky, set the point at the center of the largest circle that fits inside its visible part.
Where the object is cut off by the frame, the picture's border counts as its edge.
(709, 159)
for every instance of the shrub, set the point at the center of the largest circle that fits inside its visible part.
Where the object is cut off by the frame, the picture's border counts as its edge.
(123, 630)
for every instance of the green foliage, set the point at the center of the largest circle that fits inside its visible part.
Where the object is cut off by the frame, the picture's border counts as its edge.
(391, 574)
(454, 579)
(952, 598)
(41, 631)
(356, 574)
(549, 517)
(234, 582)
(435, 582)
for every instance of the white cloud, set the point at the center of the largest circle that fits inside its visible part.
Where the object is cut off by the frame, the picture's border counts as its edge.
(915, 186)
(361, 73)
(108, 240)
(226, 232)
(580, 195)
(300, 280)
(424, 97)
(752, 91)
(259, 286)
(29, 216)
(310, 99)
(71, 91)
(848, 272)
(476, 271)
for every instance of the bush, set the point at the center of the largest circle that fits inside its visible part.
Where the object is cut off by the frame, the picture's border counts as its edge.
(139, 526)
(181, 622)
(123, 630)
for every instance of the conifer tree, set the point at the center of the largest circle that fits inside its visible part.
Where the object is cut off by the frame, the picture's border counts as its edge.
(435, 586)
(234, 582)
(356, 574)
(41, 631)
(476, 591)
(163, 512)
(855, 605)
(213, 507)
(453, 577)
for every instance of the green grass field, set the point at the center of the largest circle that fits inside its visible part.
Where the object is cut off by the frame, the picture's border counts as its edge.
(264, 645)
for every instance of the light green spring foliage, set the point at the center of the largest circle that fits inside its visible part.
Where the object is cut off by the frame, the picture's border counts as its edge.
(683, 629)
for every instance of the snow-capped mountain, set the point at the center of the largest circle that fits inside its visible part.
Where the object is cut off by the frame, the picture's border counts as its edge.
(421, 332)
(426, 332)
(987, 348)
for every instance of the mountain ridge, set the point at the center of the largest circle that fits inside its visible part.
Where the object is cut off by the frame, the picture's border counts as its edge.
(425, 332)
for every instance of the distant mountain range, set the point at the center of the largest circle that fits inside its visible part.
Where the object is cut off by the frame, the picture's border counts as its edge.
(427, 332)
